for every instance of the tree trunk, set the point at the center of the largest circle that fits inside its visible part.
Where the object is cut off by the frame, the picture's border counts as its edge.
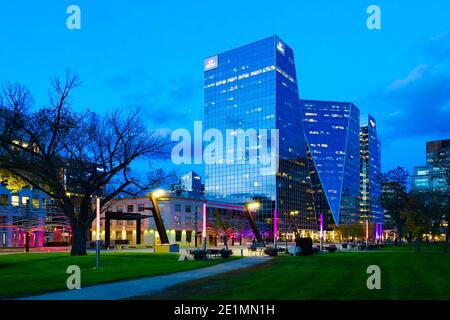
(27, 241)
(79, 239)
(400, 235)
(410, 237)
(225, 239)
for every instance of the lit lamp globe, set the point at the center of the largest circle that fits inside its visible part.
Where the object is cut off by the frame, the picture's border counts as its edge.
(253, 206)
(158, 193)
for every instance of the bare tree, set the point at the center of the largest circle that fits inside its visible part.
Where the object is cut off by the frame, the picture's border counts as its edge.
(394, 197)
(73, 157)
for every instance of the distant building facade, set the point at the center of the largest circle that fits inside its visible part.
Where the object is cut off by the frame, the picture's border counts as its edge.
(431, 177)
(190, 186)
(422, 178)
(438, 157)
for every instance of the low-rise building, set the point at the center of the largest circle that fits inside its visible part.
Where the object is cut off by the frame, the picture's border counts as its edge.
(22, 212)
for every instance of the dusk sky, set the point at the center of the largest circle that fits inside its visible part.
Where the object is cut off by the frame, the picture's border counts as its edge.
(150, 54)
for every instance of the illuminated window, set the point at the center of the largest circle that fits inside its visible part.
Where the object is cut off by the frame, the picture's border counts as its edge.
(15, 201)
(26, 201)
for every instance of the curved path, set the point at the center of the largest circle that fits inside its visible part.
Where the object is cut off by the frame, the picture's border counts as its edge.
(147, 286)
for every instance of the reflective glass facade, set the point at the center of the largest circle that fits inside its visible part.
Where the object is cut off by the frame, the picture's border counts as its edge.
(370, 162)
(255, 87)
(332, 134)
(438, 157)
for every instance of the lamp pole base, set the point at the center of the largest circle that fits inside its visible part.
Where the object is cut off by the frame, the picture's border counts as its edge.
(97, 254)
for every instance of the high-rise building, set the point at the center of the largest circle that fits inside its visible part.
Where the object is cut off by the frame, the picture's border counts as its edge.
(370, 179)
(332, 134)
(438, 153)
(438, 157)
(192, 182)
(254, 87)
(434, 175)
(190, 185)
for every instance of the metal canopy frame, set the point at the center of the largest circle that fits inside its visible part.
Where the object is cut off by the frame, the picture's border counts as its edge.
(128, 216)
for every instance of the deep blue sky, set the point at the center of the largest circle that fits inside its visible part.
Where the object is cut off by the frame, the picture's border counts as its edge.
(150, 53)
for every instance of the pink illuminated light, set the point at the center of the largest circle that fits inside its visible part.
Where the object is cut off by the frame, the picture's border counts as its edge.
(321, 226)
(204, 221)
(275, 224)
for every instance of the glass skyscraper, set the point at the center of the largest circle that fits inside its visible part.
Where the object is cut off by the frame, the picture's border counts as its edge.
(255, 87)
(370, 162)
(438, 157)
(332, 135)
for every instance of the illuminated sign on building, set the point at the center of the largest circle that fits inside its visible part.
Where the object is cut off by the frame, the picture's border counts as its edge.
(280, 47)
(372, 123)
(211, 63)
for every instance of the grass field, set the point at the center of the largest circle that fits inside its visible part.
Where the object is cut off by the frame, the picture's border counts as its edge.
(405, 274)
(29, 274)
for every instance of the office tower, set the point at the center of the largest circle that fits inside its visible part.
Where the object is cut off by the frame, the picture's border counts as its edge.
(254, 87)
(191, 181)
(332, 135)
(190, 185)
(370, 164)
(438, 157)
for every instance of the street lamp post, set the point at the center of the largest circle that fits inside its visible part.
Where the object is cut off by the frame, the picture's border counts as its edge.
(249, 208)
(367, 231)
(285, 235)
(195, 228)
(204, 225)
(97, 242)
(292, 213)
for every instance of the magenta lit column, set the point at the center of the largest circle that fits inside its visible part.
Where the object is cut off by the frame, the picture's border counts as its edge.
(275, 225)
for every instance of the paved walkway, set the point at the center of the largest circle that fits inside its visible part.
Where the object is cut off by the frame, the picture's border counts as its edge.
(147, 286)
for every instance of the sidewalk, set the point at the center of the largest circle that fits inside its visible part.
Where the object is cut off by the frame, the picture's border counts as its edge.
(147, 286)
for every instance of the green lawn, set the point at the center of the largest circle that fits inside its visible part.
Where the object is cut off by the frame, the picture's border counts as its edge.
(29, 274)
(404, 275)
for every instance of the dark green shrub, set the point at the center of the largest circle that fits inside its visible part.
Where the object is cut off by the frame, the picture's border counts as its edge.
(271, 251)
(225, 253)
